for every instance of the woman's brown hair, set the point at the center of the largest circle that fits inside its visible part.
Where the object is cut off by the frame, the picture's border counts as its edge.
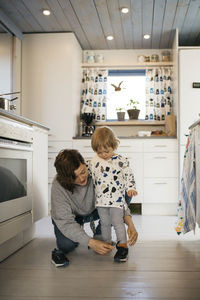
(104, 137)
(67, 161)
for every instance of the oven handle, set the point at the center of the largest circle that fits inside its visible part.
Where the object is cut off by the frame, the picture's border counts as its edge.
(9, 144)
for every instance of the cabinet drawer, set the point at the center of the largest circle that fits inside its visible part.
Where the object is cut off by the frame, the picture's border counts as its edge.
(160, 164)
(161, 190)
(83, 146)
(87, 155)
(161, 145)
(54, 146)
(125, 146)
(129, 146)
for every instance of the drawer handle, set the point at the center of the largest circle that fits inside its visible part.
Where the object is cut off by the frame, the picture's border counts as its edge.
(160, 146)
(160, 182)
(87, 146)
(126, 146)
(160, 157)
(50, 158)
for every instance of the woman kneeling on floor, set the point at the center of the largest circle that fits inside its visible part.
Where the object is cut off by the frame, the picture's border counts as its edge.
(72, 205)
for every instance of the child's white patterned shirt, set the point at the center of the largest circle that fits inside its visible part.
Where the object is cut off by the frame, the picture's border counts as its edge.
(112, 178)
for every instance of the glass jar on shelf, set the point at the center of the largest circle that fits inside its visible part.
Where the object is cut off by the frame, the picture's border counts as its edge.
(165, 56)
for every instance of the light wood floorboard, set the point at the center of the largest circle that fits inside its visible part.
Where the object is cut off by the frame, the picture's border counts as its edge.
(158, 268)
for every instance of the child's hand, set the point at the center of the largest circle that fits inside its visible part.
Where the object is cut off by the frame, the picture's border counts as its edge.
(132, 193)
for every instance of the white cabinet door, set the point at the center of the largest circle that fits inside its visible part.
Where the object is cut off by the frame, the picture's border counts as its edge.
(136, 163)
(160, 177)
(40, 173)
(160, 164)
(133, 150)
(51, 82)
(83, 146)
(160, 190)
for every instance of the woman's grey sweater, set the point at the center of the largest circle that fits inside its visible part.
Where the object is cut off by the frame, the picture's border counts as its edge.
(65, 206)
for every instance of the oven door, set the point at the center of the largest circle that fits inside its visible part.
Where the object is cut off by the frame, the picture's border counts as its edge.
(15, 182)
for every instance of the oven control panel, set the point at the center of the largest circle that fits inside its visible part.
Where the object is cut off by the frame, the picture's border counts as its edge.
(16, 131)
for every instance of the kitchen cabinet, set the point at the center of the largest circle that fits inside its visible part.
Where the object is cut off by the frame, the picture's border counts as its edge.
(54, 148)
(160, 177)
(24, 154)
(132, 149)
(160, 164)
(40, 173)
(129, 148)
(189, 104)
(51, 82)
(155, 164)
(160, 190)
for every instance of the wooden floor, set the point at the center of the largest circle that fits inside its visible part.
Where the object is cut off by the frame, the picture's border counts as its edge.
(162, 265)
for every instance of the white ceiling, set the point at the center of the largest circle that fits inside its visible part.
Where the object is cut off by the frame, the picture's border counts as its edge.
(93, 20)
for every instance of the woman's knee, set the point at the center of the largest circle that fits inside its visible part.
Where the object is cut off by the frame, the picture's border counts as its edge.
(63, 243)
(66, 245)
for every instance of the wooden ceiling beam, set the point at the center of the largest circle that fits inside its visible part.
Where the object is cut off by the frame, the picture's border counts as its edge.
(9, 26)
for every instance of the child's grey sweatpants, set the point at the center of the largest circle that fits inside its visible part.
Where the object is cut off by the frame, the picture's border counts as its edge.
(112, 216)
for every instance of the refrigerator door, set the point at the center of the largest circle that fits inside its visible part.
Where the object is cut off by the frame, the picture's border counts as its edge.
(189, 106)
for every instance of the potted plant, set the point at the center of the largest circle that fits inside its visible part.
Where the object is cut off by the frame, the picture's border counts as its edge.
(120, 113)
(133, 112)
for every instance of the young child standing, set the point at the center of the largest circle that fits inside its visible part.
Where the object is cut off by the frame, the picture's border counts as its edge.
(112, 178)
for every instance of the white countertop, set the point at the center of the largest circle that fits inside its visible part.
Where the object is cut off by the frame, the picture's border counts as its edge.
(16, 117)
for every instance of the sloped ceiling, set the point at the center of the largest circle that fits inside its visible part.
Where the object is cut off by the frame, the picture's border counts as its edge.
(93, 20)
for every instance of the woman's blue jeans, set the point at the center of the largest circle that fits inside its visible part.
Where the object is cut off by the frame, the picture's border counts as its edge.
(67, 245)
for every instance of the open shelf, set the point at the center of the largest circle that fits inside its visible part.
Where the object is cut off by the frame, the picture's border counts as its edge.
(136, 65)
(131, 122)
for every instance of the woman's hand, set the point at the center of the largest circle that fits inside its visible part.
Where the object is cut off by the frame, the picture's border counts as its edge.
(99, 246)
(131, 231)
(132, 234)
(132, 193)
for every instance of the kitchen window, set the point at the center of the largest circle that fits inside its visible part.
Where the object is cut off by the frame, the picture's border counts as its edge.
(124, 85)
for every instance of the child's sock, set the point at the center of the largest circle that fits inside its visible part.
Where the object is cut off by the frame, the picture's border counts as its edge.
(124, 245)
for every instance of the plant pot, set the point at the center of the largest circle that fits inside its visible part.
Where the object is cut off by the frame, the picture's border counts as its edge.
(133, 114)
(120, 115)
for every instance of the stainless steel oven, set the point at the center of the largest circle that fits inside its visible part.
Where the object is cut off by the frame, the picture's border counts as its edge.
(15, 169)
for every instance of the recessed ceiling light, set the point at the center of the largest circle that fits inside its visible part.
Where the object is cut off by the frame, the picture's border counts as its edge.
(147, 36)
(110, 37)
(124, 10)
(46, 12)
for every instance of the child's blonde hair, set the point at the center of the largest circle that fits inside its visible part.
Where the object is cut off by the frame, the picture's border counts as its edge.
(104, 137)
